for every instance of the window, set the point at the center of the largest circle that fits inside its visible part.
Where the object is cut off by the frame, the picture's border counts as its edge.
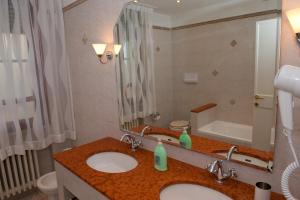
(19, 85)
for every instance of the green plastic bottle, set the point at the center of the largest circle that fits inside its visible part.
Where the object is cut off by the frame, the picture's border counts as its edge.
(185, 140)
(160, 157)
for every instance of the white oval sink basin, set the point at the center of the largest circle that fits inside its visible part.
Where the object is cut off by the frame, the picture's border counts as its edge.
(111, 162)
(249, 160)
(191, 192)
(165, 138)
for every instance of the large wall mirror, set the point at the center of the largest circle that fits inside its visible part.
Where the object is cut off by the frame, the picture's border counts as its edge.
(201, 66)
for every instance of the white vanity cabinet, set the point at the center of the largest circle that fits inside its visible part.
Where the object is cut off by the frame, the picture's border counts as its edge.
(71, 183)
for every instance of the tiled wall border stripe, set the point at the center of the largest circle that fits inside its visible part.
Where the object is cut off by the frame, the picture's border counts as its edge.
(73, 5)
(256, 14)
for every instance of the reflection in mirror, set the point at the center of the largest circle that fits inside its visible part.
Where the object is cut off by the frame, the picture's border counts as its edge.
(205, 67)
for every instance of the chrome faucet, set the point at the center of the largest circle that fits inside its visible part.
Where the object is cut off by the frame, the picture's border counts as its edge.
(232, 150)
(130, 139)
(144, 130)
(217, 168)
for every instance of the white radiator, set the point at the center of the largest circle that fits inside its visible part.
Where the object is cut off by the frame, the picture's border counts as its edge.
(18, 173)
(133, 124)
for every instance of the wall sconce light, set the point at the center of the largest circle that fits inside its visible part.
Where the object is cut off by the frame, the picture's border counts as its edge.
(294, 18)
(104, 53)
(117, 49)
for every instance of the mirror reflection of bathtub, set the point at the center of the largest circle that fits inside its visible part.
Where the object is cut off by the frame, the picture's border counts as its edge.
(235, 133)
(205, 123)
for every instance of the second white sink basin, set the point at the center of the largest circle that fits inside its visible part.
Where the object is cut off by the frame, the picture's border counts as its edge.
(191, 192)
(112, 162)
(249, 160)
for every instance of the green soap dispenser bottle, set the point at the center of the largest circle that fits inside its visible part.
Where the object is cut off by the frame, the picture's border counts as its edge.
(185, 140)
(160, 157)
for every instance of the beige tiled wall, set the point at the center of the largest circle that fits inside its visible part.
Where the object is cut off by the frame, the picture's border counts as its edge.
(94, 88)
(223, 56)
(163, 61)
(93, 83)
(290, 54)
(208, 49)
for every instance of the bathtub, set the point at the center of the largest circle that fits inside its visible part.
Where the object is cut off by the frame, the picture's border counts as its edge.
(239, 134)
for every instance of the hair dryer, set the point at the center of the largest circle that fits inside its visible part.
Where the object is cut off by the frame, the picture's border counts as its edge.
(287, 81)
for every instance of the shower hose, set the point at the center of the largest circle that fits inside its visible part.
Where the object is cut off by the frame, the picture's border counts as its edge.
(289, 170)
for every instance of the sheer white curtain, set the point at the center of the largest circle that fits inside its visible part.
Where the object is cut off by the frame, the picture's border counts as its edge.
(135, 66)
(35, 96)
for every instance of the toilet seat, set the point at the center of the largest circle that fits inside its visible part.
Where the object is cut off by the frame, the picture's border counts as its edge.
(48, 183)
(179, 125)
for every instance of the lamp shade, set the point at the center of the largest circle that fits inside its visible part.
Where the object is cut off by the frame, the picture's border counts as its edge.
(99, 48)
(117, 48)
(294, 18)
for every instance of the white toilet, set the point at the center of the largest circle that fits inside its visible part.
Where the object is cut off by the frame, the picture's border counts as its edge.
(179, 125)
(48, 185)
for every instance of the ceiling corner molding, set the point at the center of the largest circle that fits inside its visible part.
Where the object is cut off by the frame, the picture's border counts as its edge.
(73, 5)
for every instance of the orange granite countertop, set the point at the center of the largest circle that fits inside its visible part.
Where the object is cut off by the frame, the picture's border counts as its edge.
(209, 146)
(144, 182)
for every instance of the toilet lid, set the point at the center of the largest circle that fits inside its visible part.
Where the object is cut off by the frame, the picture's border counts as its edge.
(180, 123)
(178, 129)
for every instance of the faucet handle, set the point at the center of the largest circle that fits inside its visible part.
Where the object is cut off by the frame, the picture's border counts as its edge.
(212, 167)
(233, 173)
(139, 143)
(136, 143)
(127, 138)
